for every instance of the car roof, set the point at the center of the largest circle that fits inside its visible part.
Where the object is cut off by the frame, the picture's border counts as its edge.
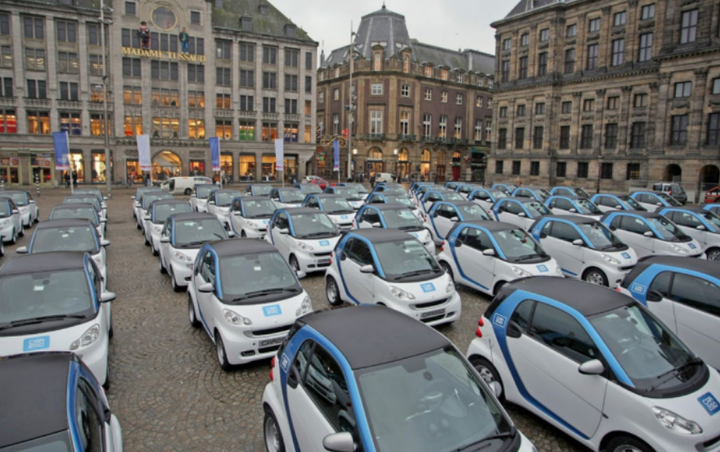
(86, 195)
(573, 198)
(162, 202)
(43, 262)
(325, 195)
(13, 192)
(696, 209)
(287, 189)
(388, 206)
(571, 218)
(76, 205)
(300, 210)
(228, 190)
(374, 335)
(235, 247)
(491, 226)
(192, 216)
(34, 400)
(457, 203)
(518, 199)
(698, 265)
(253, 198)
(638, 213)
(63, 223)
(380, 235)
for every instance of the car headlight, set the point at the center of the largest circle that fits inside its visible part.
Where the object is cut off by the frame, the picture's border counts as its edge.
(450, 287)
(520, 272)
(88, 337)
(234, 318)
(680, 249)
(674, 422)
(305, 246)
(610, 259)
(181, 257)
(401, 294)
(304, 308)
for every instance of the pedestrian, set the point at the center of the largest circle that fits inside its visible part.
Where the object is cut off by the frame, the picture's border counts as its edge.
(518, 182)
(67, 179)
(144, 33)
(184, 41)
(147, 180)
(74, 178)
(372, 180)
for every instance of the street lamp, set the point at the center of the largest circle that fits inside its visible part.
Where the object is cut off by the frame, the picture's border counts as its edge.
(104, 22)
(351, 103)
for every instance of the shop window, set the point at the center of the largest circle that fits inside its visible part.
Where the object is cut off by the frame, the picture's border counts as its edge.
(268, 168)
(246, 168)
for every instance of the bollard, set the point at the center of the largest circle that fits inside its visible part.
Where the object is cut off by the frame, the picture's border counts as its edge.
(37, 184)
(2, 183)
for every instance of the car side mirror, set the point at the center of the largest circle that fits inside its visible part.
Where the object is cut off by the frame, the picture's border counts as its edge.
(578, 242)
(22, 250)
(132, 197)
(617, 207)
(237, 213)
(300, 274)
(700, 228)
(572, 210)
(339, 442)
(454, 219)
(211, 203)
(231, 233)
(648, 234)
(206, 288)
(107, 297)
(654, 296)
(284, 231)
(514, 330)
(15, 211)
(147, 218)
(613, 228)
(658, 204)
(367, 269)
(164, 239)
(489, 252)
(592, 367)
(104, 242)
(522, 214)
(376, 225)
(32, 201)
(543, 235)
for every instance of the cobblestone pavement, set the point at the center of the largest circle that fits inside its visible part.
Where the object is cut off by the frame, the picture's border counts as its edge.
(168, 390)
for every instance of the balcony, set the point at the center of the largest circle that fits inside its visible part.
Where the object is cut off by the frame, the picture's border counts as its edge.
(374, 137)
(406, 138)
(292, 117)
(247, 113)
(444, 140)
(460, 141)
(308, 119)
(222, 113)
(271, 116)
(98, 106)
(427, 139)
(69, 105)
(34, 102)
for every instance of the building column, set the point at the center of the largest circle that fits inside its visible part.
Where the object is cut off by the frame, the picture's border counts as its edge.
(623, 126)
(654, 142)
(697, 103)
(661, 105)
(598, 123)
(575, 125)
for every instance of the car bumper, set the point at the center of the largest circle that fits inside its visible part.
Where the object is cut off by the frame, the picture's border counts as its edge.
(182, 271)
(616, 276)
(244, 345)
(431, 313)
(6, 232)
(310, 262)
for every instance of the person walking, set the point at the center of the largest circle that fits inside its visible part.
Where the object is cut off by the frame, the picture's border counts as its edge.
(372, 180)
(74, 178)
(67, 179)
(184, 41)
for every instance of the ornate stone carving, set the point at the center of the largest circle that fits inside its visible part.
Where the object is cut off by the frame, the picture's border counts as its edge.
(654, 87)
(197, 154)
(627, 89)
(131, 152)
(601, 92)
(577, 95)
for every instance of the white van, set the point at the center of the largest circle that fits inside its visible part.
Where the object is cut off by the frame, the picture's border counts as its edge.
(383, 177)
(183, 185)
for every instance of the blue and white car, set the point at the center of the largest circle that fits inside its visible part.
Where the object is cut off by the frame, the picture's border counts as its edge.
(607, 203)
(218, 204)
(136, 198)
(337, 208)
(200, 195)
(538, 194)
(257, 190)
(79, 211)
(358, 188)
(420, 191)
(380, 198)
(387, 267)
(250, 216)
(305, 237)
(146, 199)
(443, 216)
(698, 223)
(486, 255)
(11, 226)
(55, 302)
(52, 402)
(521, 212)
(585, 249)
(598, 366)
(390, 189)
(308, 189)
(349, 194)
(651, 200)
(331, 391)
(714, 208)
(246, 298)
(565, 190)
(433, 196)
(181, 238)
(651, 234)
(505, 188)
(486, 197)
(26, 205)
(394, 216)
(466, 189)
(684, 294)
(287, 198)
(573, 205)
(158, 212)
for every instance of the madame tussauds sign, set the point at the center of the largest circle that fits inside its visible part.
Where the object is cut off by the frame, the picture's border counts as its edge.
(161, 54)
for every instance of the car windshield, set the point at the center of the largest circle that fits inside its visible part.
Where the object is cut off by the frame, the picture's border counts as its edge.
(247, 276)
(20, 199)
(399, 191)
(44, 295)
(518, 246)
(348, 193)
(261, 190)
(5, 210)
(77, 238)
(95, 192)
(309, 189)
(189, 233)
(57, 442)
(712, 218)
(263, 208)
(225, 198)
(536, 209)
(203, 191)
(401, 219)
(452, 196)
(87, 213)
(600, 236)
(392, 199)
(667, 229)
(651, 356)
(316, 225)
(150, 197)
(669, 199)
(587, 207)
(407, 259)
(162, 211)
(542, 193)
(431, 402)
(360, 188)
(632, 203)
(84, 199)
(473, 212)
(336, 206)
(497, 194)
(292, 196)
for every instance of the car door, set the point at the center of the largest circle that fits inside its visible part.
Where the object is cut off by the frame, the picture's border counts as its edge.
(281, 241)
(663, 309)
(475, 267)
(91, 428)
(318, 398)
(165, 246)
(205, 273)
(547, 356)
(688, 223)
(632, 230)
(356, 254)
(369, 217)
(443, 220)
(559, 243)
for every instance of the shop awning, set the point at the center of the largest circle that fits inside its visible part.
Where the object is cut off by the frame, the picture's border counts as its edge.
(480, 149)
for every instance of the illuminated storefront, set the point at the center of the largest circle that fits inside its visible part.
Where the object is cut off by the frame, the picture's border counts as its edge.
(226, 164)
(9, 170)
(98, 166)
(246, 169)
(43, 168)
(166, 164)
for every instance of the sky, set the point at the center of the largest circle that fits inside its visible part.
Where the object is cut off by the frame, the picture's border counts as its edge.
(453, 24)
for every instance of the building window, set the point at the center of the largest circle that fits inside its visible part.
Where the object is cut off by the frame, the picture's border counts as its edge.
(69, 91)
(97, 125)
(247, 78)
(68, 62)
(523, 68)
(38, 122)
(223, 76)
(247, 132)
(270, 55)
(612, 103)
(561, 169)
(442, 127)
(611, 133)
(376, 89)
(646, 44)
(606, 170)
(478, 130)
(647, 12)
(637, 135)
(544, 34)
(166, 42)
(70, 123)
(290, 106)
(583, 169)
(688, 30)
(683, 89)
(519, 137)
(588, 105)
(458, 128)
(223, 129)
(321, 97)
(170, 128)
(291, 57)
(488, 129)
(196, 128)
(6, 57)
(405, 123)
(428, 71)
(196, 73)
(8, 121)
(93, 34)
(564, 137)
(716, 86)
(130, 9)
(35, 59)
(291, 81)
(540, 108)
(377, 62)
(640, 100)
(525, 39)
(566, 107)
(336, 94)
(586, 136)
(444, 73)
(133, 126)
(569, 61)
(195, 17)
(247, 52)
(196, 46)
(405, 90)
(503, 112)
(594, 25)
(520, 110)
(223, 49)
(538, 137)
(165, 70)
(291, 132)
(499, 166)
(428, 94)
(95, 64)
(633, 171)
(678, 130)
(618, 52)
(34, 27)
(516, 166)
(427, 126)
(571, 31)
(223, 101)
(542, 64)
(96, 93)
(376, 122)
(36, 89)
(444, 97)
(4, 25)
(269, 104)
(713, 137)
(459, 78)
(505, 75)
(507, 44)
(66, 31)
(620, 19)
(247, 103)
(592, 56)
(534, 168)
(459, 99)
(196, 99)
(502, 139)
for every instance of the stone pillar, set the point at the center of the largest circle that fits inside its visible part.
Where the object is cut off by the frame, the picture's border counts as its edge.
(575, 125)
(697, 104)
(655, 142)
(662, 99)
(598, 123)
(623, 125)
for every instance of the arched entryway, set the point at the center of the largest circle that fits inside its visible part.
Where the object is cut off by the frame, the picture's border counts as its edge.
(456, 165)
(403, 164)
(709, 177)
(425, 164)
(441, 165)
(166, 164)
(375, 162)
(673, 173)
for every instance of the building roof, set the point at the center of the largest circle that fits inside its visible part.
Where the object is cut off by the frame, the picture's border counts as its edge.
(43, 262)
(374, 335)
(236, 247)
(266, 19)
(34, 400)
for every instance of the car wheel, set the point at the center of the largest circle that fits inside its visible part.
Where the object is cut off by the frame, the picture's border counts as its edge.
(333, 292)
(488, 373)
(445, 266)
(139, 227)
(595, 276)
(162, 267)
(175, 286)
(191, 313)
(147, 242)
(242, 234)
(106, 385)
(627, 444)
(154, 251)
(713, 254)
(29, 224)
(21, 232)
(37, 217)
(188, 191)
(294, 264)
(221, 355)
(271, 431)
(2, 249)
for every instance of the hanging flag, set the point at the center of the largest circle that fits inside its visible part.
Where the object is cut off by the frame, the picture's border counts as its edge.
(279, 158)
(143, 144)
(215, 153)
(336, 155)
(62, 151)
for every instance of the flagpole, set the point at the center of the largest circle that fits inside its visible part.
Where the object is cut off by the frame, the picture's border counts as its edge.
(72, 182)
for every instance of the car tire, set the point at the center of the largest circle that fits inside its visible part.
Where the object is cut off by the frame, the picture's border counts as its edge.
(2, 249)
(188, 191)
(163, 270)
(221, 354)
(191, 313)
(271, 433)
(106, 385)
(242, 234)
(498, 288)
(147, 242)
(445, 266)
(139, 227)
(37, 218)
(294, 263)
(332, 292)
(713, 254)
(13, 237)
(488, 373)
(626, 443)
(175, 286)
(29, 224)
(595, 276)
(21, 232)
(154, 251)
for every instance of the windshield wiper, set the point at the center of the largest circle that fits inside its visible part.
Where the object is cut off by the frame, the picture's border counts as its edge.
(487, 438)
(317, 234)
(415, 273)
(260, 293)
(36, 320)
(527, 258)
(195, 243)
(218, 236)
(675, 371)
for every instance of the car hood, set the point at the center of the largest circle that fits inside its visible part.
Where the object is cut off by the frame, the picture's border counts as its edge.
(430, 289)
(320, 245)
(269, 314)
(547, 268)
(342, 218)
(626, 257)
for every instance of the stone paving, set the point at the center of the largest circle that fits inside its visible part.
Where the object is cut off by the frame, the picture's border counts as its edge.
(167, 388)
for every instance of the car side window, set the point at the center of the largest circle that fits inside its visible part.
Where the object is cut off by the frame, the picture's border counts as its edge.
(562, 333)
(522, 315)
(616, 222)
(376, 199)
(88, 421)
(547, 228)
(281, 221)
(661, 284)
(95, 276)
(236, 206)
(564, 232)
(361, 253)
(445, 211)
(481, 195)
(167, 229)
(372, 216)
(564, 204)
(634, 225)
(686, 219)
(513, 208)
(275, 195)
(697, 293)
(477, 239)
(313, 202)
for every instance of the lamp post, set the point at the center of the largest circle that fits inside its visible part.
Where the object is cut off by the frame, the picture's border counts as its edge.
(351, 104)
(103, 22)
(597, 187)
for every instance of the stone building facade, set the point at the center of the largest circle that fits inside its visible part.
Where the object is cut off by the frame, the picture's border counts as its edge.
(247, 76)
(607, 94)
(419, 110)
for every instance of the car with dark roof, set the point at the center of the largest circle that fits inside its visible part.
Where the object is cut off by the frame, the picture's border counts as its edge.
(652, 200)
(138, 193)
(350, 194)
(95, 191)
(200, 195)
(51, 401)
(155, 219)
(505, 188)
(443, 215)
(394, 216)
(287, 197)
(250, 216)
(597, 365)
(79, 211)
(538, 194)
(369, 378)
(359, 188)
(565, 190)
(335, 206)
(573, 205)
(700, 224)
(25, 203)
(308, 188)
(433, 196)
(257, 190)
(11, 227)
(219, 202)
(607, 202)
(486, 197)
(144, 204)
(522, 212)
(88, 198)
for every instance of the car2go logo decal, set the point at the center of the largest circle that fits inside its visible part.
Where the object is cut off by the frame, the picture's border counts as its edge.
(36, 343)
(324, 242)
(273, 310)
(691, 246)
(710, 403)
(499, 320)
(284, 362)
(638, 288)
(626, 255)
(427, 287)
(542, 268)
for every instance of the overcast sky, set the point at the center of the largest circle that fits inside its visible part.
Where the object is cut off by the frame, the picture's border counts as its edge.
(453, 24)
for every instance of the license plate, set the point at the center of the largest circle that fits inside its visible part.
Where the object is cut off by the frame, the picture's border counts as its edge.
(433, 313)
(268, 342)
(323, 261)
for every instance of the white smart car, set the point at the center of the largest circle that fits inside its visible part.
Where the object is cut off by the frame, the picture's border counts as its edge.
(146, 199)
(26, 205)
(573, 205)
(519, 211)
(486, 197)
(250, 216)
(380, 198)
(158, 212)
(486, 255)
(200, 195)
(387, 267)
(287, 198)
(349, 194)
(698, 223)
(11, 226)
(394, 216)
(443, 216)
(79, 211)
(218, 204)
(336, 207)
(246, 297)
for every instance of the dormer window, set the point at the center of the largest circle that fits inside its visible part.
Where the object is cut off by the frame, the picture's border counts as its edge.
(290, 31)
(246, 23)
(459, 77)
(263, 9)
(428, 71)
(406, 64)
(444, 73)
(377, 61)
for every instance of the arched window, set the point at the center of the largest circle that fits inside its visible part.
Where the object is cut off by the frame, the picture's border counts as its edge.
(375, 154)
(425, 158)
(403, 155)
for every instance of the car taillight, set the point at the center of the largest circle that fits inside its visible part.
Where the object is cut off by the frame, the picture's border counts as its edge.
(481, 322)
(425, 217)
(272, 368)
(618, 289)
(442, 246)
(478, 331)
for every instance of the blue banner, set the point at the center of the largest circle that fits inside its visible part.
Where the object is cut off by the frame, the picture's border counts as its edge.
(62, 149)
(215, 153)
(336, 155)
